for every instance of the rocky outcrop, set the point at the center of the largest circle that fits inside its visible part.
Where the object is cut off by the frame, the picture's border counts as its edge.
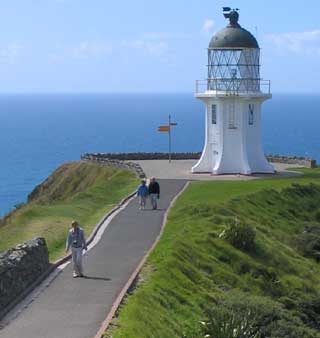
(20, 267)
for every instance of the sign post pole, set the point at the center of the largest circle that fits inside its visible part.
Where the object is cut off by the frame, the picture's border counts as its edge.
(167, 129)
(169, 138)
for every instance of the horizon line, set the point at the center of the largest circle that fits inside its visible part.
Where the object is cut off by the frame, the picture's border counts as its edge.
(133, 93)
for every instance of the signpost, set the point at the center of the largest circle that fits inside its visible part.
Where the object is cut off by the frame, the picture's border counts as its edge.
(167, 129)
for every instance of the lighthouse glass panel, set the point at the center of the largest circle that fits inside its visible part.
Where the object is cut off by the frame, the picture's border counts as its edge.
(234, 70)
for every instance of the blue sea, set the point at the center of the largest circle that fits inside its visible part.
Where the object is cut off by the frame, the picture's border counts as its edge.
(39, 132)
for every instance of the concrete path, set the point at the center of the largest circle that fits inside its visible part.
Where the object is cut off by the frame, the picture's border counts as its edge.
(181, 169)
(75, 308)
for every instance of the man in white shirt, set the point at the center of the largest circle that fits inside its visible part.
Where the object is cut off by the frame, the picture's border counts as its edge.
(77, 242)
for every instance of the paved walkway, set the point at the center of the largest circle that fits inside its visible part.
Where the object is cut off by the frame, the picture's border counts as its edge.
(181, 169)
(75, 308)
(63, 307)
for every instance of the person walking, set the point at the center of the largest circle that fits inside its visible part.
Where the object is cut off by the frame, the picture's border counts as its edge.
(77, 242)
(154, 192)
(142, 193)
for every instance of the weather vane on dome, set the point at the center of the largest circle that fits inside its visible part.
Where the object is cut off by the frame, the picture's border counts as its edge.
(231, 14)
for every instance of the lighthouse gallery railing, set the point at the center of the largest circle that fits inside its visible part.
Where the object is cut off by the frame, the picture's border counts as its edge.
(234, 86)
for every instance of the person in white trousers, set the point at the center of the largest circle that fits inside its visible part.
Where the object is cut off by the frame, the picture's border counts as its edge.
(77, 242)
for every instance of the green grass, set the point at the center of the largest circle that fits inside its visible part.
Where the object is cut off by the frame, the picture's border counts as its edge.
(192, 266)
(80, 191)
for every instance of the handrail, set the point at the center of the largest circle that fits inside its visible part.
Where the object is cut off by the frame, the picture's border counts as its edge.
(233, 86)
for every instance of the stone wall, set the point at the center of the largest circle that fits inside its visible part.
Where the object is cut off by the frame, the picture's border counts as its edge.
(303, 161)
(20, 267)
(117, 163)
(119, 158)
(145, 156)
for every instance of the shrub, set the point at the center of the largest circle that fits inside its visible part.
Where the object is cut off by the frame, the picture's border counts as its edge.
(289, 328)
(310, 312)
(241, 236)
(309, 242)
(237, 315)
(240, 315)
(230, 323)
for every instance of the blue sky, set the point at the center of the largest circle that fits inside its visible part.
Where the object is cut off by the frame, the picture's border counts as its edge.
(148, 46)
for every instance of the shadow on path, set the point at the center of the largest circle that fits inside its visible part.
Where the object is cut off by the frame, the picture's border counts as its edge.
(97, 278)
(153, 210)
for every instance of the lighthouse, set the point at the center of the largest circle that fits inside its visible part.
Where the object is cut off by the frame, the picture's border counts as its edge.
(233, 94)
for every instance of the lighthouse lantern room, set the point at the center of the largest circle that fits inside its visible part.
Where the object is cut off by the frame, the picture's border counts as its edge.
(233, 95)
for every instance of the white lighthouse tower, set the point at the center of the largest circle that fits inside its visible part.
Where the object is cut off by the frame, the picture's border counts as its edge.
(233, 95)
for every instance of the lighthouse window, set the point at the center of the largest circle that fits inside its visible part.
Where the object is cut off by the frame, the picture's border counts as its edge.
(251, 114)
(214, 113)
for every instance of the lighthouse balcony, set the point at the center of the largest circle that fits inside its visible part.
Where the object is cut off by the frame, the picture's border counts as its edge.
(238, 87)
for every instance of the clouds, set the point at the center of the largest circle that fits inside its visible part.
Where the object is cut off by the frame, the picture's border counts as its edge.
(154, 44)
(301, 43)
(84, 50)
(10, 53)
(90, 49)
(150, 44)
(207, 25)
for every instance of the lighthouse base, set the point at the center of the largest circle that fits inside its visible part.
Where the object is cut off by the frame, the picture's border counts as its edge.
(233, 136)
(199, 169)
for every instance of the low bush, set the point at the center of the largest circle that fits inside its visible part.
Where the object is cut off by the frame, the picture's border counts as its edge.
(240, 235)
(309, 242)
(240, 315)
(310, 312)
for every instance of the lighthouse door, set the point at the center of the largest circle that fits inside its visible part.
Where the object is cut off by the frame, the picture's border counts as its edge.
(214, 134)
(231, 115)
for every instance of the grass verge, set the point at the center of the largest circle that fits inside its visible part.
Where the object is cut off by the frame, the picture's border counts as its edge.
(81, 191)
(194, 268)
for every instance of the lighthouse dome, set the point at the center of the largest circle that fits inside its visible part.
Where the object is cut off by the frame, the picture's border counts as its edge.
(233, 36)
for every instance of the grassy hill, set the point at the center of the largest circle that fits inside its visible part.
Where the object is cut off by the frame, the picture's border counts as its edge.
(80, 191)
(240, 256)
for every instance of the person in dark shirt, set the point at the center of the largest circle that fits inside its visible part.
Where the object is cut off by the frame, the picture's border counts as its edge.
(154, 192)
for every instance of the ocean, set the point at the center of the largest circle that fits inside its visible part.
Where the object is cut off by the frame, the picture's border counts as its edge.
(40, 132)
